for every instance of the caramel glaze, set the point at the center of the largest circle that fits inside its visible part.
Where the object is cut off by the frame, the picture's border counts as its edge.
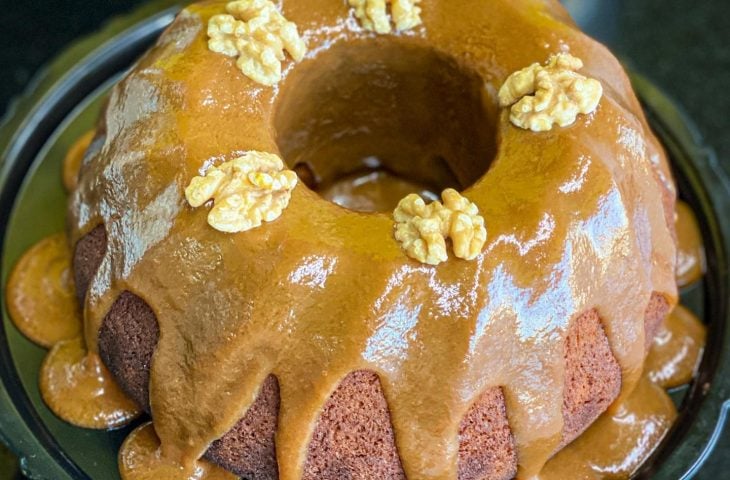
(74, 158)
(77, 387)
(373, 191)
(40, 293)
(677, 349)
(574, 218)
(690, 252)
(42, 303)
(619, 442)
(140, 459)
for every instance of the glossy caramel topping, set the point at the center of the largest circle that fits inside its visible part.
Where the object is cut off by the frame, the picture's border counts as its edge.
(74, 158)
(616, 445)
(575, 221)
(40, 293)
(373, 191)
(77, 387)
(140, 458)
(690, 251)
(676, 350)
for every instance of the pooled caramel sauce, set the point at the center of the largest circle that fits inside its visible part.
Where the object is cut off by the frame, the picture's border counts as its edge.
(40, 293)
(373, 191)
(690, 252)
(619, 442)
(78, 388)
(676, 350)
(74, 158)
(574, 222)
(140, 458)
(42, 303)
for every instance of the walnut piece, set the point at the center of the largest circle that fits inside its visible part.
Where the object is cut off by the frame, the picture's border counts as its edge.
(542, 96)
(422, 229)
(257, 33)
(247, 191)
(373, 14)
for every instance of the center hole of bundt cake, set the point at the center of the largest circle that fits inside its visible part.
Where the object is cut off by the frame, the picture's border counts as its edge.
(364, 124)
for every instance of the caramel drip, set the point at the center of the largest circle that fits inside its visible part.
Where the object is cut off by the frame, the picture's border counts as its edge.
(619, 442)
(676, 350)
(74, 159)
(690, 252)
(77, 387)
(140, 458)
(40, 293)
(573, 216)
(613, 447)
(41, 301)
(373, 191)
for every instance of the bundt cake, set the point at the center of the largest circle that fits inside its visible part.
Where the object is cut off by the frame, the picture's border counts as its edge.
(278, 333)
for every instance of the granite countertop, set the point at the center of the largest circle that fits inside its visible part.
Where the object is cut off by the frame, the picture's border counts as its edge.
(682, 45)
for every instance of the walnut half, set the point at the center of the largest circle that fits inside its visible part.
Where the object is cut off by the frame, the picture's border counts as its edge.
(258, 34)
(373, 14)
(422, 229)
(542, 96)
(246, 192)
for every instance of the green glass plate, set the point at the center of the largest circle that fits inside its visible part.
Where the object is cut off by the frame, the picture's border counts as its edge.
(65, 103)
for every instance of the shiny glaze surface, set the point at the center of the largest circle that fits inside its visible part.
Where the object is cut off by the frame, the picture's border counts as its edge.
(140, 458)
(616, 445)
(74, 158)
(575, 221)
(40, 294)
(613, 447)
(77, 387)
(690, 252)
(373, 191)
(676, 350)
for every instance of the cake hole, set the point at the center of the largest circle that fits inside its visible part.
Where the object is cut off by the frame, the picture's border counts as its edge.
(366, 123)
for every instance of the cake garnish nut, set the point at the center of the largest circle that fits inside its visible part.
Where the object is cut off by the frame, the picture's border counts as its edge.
(542, 96)
(373, 14)
(422, 229)
(258, 34)
(246, 192)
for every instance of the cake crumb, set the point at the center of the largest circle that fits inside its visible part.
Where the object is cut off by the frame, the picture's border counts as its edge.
(542, 96)
(373, 14)
(258, 34)
(246, 192)
(422, 229)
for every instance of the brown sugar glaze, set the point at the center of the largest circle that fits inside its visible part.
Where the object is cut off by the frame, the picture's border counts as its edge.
(140, 459)
(40, 293)
(77, 387)
(73, 160)
(373, 191)
(42, 302)
(690, 253)
(616, 445)
(677, 349)
(574, 219)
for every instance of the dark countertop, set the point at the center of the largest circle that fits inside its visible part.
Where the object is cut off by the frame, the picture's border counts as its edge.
(682, 45)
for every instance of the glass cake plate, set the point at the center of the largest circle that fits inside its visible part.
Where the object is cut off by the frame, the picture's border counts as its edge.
(65, 102)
